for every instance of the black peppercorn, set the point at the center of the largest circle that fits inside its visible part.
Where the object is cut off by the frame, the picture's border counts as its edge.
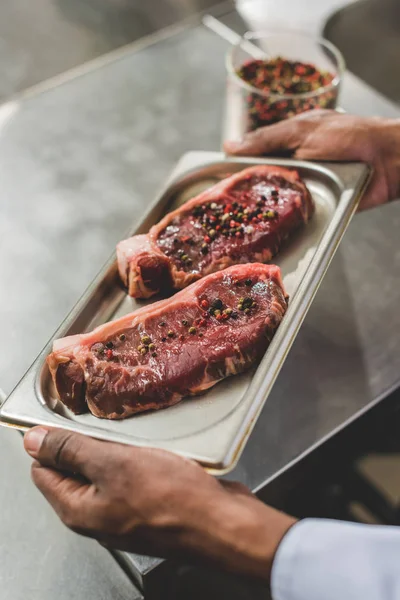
(247, 303)
(216, 304)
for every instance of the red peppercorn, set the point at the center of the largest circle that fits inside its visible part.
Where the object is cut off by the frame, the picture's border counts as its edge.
(109, 354)
(218, 227)
(204, 304)
(202, 322)
(207, 239)
(219, 317)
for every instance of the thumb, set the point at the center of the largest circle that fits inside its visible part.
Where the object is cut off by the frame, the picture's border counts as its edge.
(67, 451)
(283, 137)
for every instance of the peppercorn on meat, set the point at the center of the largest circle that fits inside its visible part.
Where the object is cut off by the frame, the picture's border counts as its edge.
(159, 354)
(244, 218)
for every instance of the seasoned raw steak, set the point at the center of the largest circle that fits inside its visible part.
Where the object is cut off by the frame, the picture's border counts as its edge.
(244, 218)
(154, 357)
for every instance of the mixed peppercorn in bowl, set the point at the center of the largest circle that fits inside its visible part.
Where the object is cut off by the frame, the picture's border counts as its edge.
(275, 76)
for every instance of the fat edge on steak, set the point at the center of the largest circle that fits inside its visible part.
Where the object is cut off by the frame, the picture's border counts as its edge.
(244, 218)
(154, 357)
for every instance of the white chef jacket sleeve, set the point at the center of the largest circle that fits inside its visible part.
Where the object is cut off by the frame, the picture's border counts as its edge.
(322, 559)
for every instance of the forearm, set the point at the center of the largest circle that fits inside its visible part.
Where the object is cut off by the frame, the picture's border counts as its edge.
(332, 560)
(245, 537)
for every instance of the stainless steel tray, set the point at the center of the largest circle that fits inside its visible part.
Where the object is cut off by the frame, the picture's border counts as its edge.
(212, 428)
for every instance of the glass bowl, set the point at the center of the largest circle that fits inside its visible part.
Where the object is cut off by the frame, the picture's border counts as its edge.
(248, 107)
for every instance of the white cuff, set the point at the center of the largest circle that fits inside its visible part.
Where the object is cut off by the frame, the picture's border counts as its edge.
(333, 560)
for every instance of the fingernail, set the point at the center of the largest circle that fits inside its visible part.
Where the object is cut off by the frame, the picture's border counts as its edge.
(33, 440)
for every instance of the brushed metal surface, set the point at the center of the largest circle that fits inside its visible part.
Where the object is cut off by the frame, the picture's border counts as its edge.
(213, 428)
(77, 31)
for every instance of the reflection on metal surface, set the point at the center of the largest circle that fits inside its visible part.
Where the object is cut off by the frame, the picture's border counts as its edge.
(7, 112)
(232, 407)
(101, 61)
(230, 36)
(77, 31)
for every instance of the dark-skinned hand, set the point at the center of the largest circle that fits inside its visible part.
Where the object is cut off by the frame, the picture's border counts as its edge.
(332, 136)
(154, 502)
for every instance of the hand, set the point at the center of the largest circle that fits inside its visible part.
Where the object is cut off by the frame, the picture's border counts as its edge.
(154, 502)
(328, 135)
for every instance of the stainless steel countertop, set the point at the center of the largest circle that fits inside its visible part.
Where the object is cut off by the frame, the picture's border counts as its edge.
(78, 164)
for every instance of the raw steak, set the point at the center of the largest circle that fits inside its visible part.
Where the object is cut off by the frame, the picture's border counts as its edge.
(157, 355)
(244, 218)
